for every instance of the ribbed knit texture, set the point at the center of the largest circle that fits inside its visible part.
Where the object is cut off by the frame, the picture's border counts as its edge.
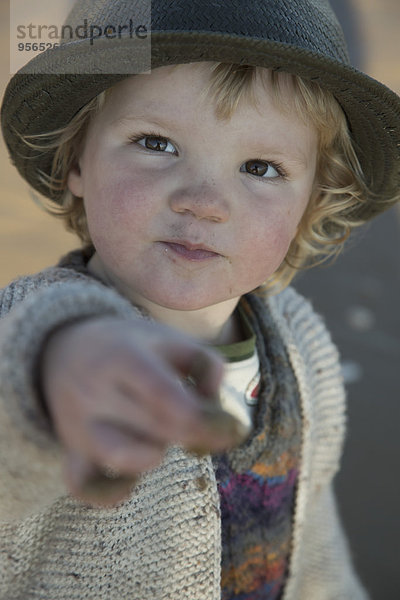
(164, 543)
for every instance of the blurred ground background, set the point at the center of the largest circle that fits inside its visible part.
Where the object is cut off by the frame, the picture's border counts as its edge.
(359, 297)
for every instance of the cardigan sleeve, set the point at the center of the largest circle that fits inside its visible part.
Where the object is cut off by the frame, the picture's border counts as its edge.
(321, 566)
(30, 308)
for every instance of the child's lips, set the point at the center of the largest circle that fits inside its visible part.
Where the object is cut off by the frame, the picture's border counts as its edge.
(188, 251)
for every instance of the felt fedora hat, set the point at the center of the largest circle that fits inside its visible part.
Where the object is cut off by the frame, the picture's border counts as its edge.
(300, 36)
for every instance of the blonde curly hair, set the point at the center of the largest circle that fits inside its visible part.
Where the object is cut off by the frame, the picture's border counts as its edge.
(339, 187)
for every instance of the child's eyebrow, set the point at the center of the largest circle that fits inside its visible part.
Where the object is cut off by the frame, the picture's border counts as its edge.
(149, 119)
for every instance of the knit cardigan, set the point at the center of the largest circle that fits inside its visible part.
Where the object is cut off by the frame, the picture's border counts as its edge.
(165, 541)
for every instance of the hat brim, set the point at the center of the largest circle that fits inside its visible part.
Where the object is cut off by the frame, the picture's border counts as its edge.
(36, 103)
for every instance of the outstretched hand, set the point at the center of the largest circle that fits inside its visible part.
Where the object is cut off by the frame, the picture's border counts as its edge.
(114, 390)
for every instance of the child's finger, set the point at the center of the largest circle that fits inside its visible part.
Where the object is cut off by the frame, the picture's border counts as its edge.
(96, 486)
(203, 370)
(154, 391)
(199, 365)
(117, 457)
(124, 449)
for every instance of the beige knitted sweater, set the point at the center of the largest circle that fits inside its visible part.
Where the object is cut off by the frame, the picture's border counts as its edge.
(164, 543)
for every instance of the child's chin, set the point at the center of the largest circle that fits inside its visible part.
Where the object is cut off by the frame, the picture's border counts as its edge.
(187, 305)
(189, 302)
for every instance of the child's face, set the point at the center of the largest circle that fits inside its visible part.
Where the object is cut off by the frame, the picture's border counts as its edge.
(182, 223)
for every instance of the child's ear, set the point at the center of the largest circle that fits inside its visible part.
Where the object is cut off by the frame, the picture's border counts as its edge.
(74, 181)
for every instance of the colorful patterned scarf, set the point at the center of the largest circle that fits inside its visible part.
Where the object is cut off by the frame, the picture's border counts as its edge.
(257, 481)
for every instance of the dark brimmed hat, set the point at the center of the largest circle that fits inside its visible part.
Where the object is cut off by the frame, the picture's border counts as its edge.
(300, 36)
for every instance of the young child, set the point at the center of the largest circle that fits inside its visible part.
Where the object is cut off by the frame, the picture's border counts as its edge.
(249, 151)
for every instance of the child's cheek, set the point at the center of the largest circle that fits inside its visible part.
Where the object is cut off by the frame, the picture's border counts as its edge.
(268, 244)
(273, 230)
(122, 197)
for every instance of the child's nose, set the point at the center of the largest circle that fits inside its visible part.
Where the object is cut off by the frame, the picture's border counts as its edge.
(203, 201)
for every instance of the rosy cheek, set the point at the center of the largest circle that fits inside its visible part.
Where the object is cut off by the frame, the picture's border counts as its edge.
(275, 231)
(269, 246)
(122, 196)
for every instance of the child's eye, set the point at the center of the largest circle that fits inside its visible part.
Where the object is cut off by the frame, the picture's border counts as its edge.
(263, 169)
(156, 143)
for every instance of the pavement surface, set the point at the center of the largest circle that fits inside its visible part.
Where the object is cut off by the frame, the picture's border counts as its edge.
(359, 297)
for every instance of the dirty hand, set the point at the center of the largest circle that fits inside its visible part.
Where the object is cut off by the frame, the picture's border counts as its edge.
(114, 392)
